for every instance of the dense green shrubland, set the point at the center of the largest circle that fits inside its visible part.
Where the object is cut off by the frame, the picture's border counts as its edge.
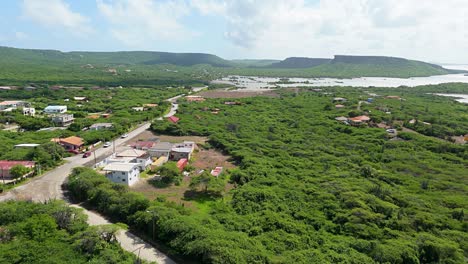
(55, 233)
(310, 189)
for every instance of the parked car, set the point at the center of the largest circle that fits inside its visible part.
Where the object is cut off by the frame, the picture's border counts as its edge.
(124, 135)
(107, 144)
(87, 154)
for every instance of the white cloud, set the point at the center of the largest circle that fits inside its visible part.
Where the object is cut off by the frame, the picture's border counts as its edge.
(209, 7)
(429, 29)
(55, 14)
(20, 35)
(138, 23)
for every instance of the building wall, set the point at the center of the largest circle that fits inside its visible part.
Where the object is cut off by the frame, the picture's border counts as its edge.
(179, 155)
(158, 153)
(128, 178)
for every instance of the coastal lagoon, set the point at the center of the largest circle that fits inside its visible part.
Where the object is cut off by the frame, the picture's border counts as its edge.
(260, 83)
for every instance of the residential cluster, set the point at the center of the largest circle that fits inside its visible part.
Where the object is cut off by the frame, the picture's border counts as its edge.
(125, 167)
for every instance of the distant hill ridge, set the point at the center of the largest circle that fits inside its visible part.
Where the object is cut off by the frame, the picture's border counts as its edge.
(341, 66)
(117, 57)
(298, 62)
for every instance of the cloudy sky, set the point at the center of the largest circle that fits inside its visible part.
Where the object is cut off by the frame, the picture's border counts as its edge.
(430, 30)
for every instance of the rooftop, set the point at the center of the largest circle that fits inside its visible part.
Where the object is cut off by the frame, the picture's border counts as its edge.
(8, 164)
(73, 140)
(163, 146)
(173, 119)
(143, 144)
(182, 149)
(101, 125)
(131, 153)
(120, 166)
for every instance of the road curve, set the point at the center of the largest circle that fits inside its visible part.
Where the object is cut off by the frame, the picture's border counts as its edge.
(49, 186)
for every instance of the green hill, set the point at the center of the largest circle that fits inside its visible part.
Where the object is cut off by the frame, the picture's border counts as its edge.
(20, 66)
(298, 62)
(119, 57)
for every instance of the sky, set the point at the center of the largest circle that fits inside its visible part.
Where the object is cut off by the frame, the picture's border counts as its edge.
(429, 30)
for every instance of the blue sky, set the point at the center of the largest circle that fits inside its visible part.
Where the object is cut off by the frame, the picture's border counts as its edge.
(429, 30)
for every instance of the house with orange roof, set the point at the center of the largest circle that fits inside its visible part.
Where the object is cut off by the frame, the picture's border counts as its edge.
(71, 144)
(358, 120)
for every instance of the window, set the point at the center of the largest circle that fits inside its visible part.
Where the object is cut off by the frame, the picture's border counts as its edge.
(123, 180)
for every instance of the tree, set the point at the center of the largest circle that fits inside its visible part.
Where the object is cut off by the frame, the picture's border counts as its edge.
(201, 181)
(19, 171)
(169, 172)
(209, 184)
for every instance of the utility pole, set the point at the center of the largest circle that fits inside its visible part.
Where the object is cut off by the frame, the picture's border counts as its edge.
(95, 161)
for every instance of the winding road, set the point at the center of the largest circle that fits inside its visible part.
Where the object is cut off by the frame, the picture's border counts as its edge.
(49, 186)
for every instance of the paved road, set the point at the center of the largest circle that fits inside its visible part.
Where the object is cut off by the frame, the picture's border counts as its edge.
(48, 186)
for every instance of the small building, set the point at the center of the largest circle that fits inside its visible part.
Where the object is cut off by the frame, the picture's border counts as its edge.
(182, 150)
(29, 111)
(150, 105)
(143, 145)
(396, 97)
(160, 149)
(370, 100)
(339, 106)
(181, 164)
(232, 103)
(158, 162)
(55, 109)
(26, 145)
(80, 98)
(100, 126)
(12, 105)
(142, 158)
(72, 144)
(63, 120)
(138, 109)
(341, 119)
(173, 119)
(178, 153)
(339, 99)
(6, 165)
(358, 120)
(122, 173)
(217, 171)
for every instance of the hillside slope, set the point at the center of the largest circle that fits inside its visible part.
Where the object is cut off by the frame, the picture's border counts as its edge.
(298, 62)
(119, 57)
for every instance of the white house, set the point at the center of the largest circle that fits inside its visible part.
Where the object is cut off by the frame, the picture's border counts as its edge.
(63, 119)
(29, 111)
(100, 126)
(55, 109)
(142, 158)
(123, 173)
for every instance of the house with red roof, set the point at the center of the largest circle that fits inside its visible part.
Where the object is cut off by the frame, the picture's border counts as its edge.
(143, 145)
(173, 119)
(6, 165)
(181, 164)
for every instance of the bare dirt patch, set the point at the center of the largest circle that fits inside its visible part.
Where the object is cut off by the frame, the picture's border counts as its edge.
(148, 135)
(209, 159)
(237, 94)
(171, 193)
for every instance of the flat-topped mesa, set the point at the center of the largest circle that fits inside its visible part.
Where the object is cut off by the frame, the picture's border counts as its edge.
(299, 62)
(368, 59)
